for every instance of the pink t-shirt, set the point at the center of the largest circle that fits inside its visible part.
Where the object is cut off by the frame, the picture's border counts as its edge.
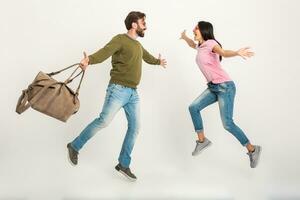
(209, 63)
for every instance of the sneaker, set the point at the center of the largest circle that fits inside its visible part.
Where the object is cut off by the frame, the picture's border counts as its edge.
(201, 146)
(254, 156)
(126, 172)
(73, 155)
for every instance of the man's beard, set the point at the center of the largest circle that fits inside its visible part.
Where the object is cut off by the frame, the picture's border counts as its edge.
(140, 32)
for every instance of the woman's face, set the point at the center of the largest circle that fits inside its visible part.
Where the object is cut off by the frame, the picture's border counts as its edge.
(197, 34)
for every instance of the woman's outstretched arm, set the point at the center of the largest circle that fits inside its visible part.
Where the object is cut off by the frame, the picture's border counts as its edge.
(188, 40)
(243, 52)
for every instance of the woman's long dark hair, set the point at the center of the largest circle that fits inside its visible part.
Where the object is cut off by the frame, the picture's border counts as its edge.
(207, 32)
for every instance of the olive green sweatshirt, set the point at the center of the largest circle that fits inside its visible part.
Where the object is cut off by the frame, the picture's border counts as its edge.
(127, 55)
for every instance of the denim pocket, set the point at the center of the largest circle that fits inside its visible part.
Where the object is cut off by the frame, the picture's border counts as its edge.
(224, 87)
(110, 87)
(120, 86)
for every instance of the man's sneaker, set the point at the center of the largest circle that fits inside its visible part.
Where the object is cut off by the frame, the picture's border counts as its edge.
(254, 156)
(126, 172)
(73, 155)
(201, 146)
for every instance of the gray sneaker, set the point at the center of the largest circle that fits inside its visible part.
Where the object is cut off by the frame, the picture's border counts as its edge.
(126, 172)
(73, 155)
(201, 146)
(254, 156)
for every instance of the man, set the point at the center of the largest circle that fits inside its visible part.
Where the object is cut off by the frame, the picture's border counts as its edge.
(127, 55)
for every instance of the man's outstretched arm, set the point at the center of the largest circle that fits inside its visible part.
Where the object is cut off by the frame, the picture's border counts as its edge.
(102, 54)
(148, 58)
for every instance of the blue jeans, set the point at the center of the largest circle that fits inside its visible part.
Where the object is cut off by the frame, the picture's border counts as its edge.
(223, 93)
(117, 97)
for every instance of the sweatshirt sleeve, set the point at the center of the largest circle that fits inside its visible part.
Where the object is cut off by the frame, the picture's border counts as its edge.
(148, 58)
(108, 50)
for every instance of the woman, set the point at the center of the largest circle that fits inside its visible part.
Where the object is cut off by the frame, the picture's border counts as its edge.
(220, 89)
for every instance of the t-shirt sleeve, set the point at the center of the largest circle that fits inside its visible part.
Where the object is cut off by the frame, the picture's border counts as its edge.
(211, 44)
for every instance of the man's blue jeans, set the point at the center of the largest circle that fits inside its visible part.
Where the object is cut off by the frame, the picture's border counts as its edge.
(117, 97)
(224, 94)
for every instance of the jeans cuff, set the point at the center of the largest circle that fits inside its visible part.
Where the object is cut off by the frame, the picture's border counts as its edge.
(199, 131)
(248, 142)
(74, 147)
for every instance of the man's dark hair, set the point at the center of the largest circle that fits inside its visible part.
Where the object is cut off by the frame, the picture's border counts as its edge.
(132, 17)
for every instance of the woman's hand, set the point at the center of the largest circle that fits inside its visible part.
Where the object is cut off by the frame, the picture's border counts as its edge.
(245, 52)
(189, 41)
(183, 35)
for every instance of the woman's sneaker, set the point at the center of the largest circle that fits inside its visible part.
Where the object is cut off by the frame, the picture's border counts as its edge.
(200, 146)
(126, 172)
(254, 156)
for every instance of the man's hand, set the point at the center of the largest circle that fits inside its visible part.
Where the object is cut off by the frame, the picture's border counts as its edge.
(163, 62)
(84, 62)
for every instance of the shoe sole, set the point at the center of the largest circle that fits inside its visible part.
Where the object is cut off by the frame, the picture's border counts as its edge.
(199, 152)
(128, 177)
(257, 158)
(69, 159)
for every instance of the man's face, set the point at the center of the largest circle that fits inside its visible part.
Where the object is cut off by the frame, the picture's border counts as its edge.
(141, 27)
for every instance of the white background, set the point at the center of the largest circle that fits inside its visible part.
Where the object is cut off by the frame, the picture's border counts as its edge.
(49, 35)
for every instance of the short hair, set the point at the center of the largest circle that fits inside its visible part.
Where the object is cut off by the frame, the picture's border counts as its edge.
(132, 17)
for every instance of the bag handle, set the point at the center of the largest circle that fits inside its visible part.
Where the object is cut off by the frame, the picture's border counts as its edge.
(23, 103)
(57, 72)
(77, 90)
(70, 79)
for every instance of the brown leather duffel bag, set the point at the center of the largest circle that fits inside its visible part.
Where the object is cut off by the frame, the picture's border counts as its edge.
(51, 97)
